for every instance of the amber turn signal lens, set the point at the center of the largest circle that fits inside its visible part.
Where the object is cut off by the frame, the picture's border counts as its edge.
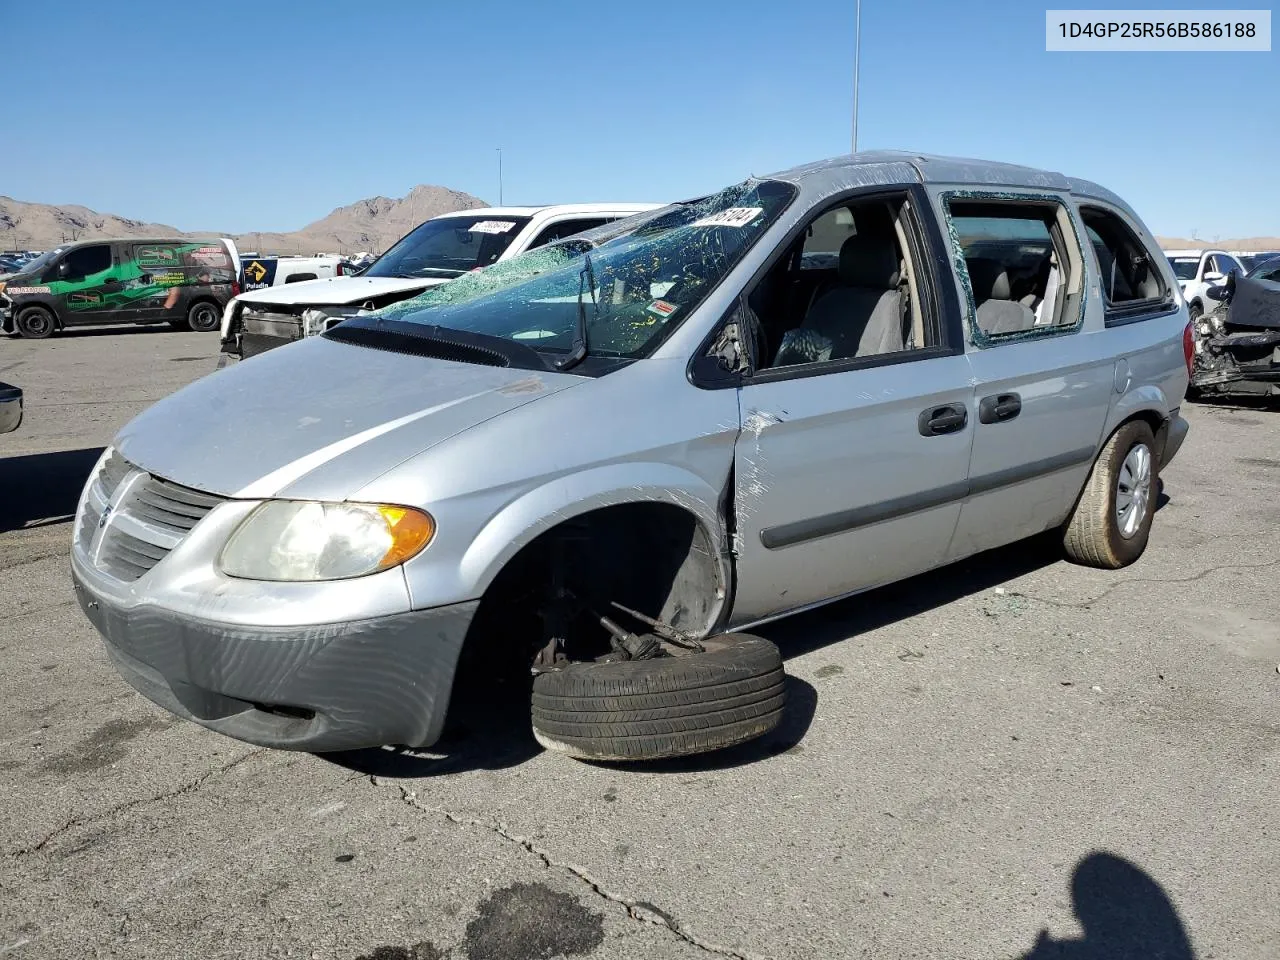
(411, 530)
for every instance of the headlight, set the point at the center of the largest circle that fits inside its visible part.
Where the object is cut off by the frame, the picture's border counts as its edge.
(303, 540)
(316, 320)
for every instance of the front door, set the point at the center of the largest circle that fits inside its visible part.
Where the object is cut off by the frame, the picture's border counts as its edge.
(83, 283)
(842, 485)
(853, 456)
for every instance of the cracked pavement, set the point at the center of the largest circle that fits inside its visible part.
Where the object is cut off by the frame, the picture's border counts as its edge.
(956, 747)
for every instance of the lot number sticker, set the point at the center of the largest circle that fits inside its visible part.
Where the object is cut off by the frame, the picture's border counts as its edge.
(662, 308)
(733, 217)
(491, 226)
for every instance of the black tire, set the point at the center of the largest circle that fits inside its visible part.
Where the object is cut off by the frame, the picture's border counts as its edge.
(35, 323)
(1093, 536)
(667, 707)
(203, 317)
(1194, 312)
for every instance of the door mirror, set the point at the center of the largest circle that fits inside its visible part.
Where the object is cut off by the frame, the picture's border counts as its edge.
(64, 270)
(1213, 277)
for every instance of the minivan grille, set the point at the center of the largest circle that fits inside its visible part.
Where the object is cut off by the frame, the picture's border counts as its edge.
(153, 517)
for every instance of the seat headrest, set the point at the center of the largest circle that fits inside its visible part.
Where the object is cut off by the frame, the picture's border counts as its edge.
(870, 257)
(989, 278)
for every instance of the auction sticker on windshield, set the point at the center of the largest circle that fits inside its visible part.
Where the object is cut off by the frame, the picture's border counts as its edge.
(662, 308)
(732, 217)
(491, 226)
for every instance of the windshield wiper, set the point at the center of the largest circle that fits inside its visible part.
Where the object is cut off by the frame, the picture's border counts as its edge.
(578, 350)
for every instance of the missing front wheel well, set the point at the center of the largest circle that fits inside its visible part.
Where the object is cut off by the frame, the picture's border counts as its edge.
(654, 558)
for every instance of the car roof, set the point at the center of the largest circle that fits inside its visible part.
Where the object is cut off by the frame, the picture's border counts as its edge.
(875, 167)
(81, 243)
(552, 208)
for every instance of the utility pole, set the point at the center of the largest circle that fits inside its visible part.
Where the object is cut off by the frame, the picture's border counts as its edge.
(499, 176)
(857, 51)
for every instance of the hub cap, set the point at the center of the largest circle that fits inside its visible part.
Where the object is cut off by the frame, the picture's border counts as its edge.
(1133, 490)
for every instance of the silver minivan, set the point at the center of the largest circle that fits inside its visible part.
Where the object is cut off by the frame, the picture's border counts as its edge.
(600, 462)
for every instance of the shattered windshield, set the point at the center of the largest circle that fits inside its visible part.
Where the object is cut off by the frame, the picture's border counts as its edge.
(449, 247)
(1184, 268)
(648, 273)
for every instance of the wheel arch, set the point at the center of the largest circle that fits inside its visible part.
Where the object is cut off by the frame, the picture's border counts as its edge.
(551, 505)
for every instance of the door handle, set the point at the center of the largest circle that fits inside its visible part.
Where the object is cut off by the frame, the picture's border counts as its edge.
(999, 407)
(948, 418)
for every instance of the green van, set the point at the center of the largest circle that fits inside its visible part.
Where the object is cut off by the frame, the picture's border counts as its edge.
(182, 282)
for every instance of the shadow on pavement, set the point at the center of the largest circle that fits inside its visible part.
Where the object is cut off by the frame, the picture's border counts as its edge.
(1124, 913)
(127, 329)
(487, 729)
(805, 632)
(42, 489)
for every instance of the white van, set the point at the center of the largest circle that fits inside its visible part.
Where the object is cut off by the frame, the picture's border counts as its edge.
(433, 253)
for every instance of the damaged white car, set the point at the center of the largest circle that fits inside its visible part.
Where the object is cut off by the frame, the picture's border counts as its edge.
(436, 251)
(606, 459)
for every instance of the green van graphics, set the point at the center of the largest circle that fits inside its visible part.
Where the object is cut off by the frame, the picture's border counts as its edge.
(184, 283)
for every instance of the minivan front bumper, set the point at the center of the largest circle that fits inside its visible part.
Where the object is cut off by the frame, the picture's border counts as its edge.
(337, 686)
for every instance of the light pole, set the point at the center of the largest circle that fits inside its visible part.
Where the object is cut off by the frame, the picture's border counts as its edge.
(499, 176)
(857, 50)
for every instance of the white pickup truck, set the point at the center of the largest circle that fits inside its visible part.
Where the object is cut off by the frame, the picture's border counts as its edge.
(433, 253)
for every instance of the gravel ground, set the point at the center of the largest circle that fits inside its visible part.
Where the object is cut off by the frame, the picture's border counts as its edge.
(981, 763)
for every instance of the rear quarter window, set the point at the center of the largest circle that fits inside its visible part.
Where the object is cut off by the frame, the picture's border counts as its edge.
(1130, 279)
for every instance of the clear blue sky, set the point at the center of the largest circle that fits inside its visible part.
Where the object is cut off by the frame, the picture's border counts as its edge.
(265, 116)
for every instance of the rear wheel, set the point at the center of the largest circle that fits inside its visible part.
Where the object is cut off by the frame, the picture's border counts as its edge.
(35, 323)
(1111, 523)
(1195, 311)
(670, 706)
(203, 317)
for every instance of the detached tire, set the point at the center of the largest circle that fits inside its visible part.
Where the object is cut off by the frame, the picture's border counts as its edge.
(668, 707)
(1112, 520)
(34, 323)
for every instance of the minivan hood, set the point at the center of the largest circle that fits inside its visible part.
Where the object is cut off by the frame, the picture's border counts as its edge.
(335, 291)
(319, 419)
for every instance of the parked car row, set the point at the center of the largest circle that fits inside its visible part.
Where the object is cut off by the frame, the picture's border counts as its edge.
(601, 460)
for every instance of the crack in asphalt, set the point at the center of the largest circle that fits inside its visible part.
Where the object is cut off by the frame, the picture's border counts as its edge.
(74, 822)
(1087, 604)
(636, 909)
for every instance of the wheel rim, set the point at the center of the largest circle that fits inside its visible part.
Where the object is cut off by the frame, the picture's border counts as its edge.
(37, 324)
(204, 319)
(1133, 490)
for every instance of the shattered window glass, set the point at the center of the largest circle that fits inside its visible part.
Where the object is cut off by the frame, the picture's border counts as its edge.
(449, 247)
(636, 279)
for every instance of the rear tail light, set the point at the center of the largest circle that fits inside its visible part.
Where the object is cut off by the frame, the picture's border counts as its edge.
(338, 271)
(1189, 345)
(235, 288)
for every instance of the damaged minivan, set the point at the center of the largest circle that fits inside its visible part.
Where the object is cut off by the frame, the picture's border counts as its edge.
(605, 460)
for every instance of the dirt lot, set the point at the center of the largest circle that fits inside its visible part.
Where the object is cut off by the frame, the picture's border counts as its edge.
(1005, 747)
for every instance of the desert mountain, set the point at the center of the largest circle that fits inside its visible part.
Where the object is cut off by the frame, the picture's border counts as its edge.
(372, 224)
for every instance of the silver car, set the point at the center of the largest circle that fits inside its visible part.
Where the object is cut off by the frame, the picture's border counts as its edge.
(599, 462)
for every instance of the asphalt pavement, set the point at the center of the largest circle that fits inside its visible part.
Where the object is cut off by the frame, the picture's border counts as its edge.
(1008, 757)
